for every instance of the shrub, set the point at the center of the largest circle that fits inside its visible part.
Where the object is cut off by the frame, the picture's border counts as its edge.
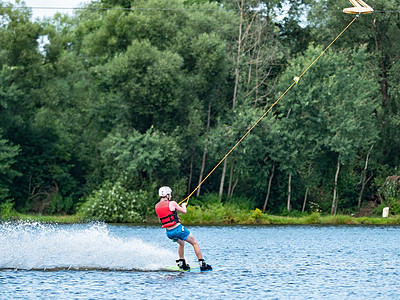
(256, 214)
(392, 203)
(206, 200)
(59, 204)
(7, 211)
(314, 218)
(113, 203)
(389, 191)
(243, 203)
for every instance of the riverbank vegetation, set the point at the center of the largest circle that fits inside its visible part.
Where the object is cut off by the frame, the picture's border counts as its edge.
(243, 218)
(100, 109)
(212, 212)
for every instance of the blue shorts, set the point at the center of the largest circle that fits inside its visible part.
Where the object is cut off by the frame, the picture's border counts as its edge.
(178, 233)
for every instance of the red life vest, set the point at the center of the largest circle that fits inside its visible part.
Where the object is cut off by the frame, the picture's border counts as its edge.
(167, 217)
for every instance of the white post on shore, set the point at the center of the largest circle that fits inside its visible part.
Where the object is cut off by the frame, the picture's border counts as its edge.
(385, 212)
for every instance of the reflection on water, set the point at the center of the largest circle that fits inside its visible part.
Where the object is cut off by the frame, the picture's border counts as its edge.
(279, 262)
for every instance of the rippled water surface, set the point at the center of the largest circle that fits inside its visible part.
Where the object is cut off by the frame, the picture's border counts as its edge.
(99, 261)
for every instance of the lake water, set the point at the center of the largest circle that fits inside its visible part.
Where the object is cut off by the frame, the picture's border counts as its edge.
(100, 261)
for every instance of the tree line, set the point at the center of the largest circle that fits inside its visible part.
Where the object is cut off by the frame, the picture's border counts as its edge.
(99, 109)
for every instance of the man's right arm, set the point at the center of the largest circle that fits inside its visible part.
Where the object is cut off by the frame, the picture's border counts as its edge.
(179, 208)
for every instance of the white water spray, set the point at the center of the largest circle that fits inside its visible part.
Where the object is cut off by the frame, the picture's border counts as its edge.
(37, 246)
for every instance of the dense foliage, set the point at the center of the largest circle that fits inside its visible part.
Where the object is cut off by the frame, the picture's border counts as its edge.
(99, 109)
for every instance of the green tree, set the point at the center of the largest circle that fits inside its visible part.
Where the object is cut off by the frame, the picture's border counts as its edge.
(380, 33)
(140, 158)
(20, 66)
(161, 68)
(8, 155)
(313, 117)
(145, 82)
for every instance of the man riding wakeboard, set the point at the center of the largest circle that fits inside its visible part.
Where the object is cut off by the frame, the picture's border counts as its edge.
(167, 211)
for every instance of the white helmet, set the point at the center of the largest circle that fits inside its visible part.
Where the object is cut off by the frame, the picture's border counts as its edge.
(164, 191)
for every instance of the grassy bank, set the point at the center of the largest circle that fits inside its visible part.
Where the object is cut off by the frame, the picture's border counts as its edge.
(65, 219)
(225, 215)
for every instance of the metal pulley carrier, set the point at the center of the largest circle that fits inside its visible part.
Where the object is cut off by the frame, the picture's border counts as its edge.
(360, 7)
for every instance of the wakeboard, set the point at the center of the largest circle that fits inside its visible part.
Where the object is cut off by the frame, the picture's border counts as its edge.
(177, 269)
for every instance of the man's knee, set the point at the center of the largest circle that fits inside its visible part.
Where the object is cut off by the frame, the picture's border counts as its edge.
(193, 242)
(191, 239)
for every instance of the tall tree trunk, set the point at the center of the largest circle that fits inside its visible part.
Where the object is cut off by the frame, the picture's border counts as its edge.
(364, 178)
(205, 149)
(269, 188)
(288, 206)
(242, 41)
(334, 201)
(238, 56)
(235, 184)
(191, 171)
(221, 185)
(231, 176)
(307, 189)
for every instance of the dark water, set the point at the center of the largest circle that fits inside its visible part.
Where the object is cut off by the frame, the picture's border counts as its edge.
(101, 261)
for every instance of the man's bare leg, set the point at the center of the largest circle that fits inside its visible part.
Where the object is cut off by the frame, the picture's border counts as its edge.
(190, 239)
(181, 249)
